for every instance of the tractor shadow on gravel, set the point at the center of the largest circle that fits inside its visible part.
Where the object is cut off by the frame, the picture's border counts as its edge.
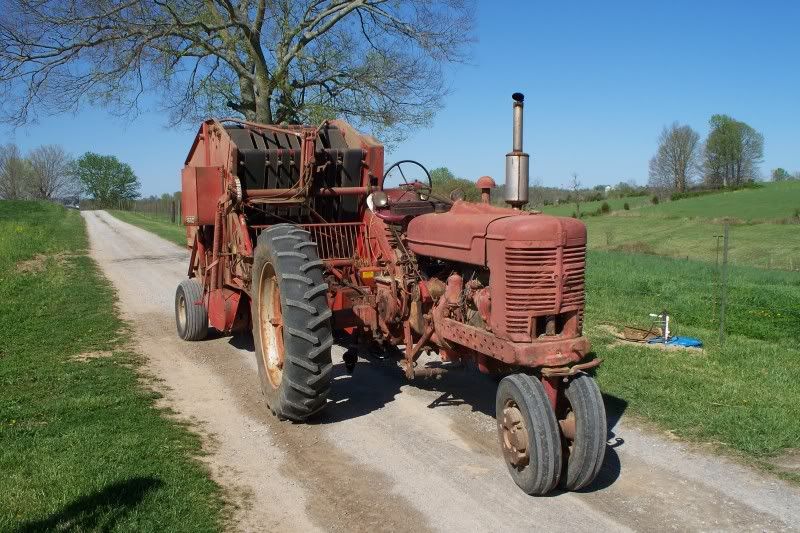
(376, 382)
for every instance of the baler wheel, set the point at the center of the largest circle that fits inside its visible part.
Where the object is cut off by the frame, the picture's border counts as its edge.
(191, 316)
(583, 432)
(528, 434)
(291, 322)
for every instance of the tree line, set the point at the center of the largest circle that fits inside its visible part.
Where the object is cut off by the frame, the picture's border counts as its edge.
(729, 157)
(48, 172)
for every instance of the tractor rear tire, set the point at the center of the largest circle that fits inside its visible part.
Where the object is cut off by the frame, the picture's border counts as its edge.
(291, 322)
(191, 316)
(583, 455)
(528, 433)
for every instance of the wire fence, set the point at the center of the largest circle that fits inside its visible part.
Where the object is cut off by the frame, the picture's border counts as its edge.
(721, 295)
(167, 209)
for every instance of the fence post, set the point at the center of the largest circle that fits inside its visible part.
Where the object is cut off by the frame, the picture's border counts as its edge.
(724, 288)
(172, 214)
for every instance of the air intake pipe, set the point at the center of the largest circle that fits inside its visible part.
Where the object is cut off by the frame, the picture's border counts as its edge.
(516, 193)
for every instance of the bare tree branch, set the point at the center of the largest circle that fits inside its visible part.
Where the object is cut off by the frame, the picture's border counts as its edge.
(377, 63)
(677, 160)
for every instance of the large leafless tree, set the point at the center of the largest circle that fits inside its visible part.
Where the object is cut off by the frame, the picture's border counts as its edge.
(677, 160)
(378, 63)
(52, 175)
(14, 173)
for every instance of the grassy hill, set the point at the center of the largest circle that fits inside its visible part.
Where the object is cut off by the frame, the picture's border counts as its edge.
(764, 226)
(771, 203)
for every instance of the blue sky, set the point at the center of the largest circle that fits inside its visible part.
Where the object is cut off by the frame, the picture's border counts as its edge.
(600, 79)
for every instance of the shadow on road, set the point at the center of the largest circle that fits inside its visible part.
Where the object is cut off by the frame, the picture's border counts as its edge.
(377, 380)
(98, 511)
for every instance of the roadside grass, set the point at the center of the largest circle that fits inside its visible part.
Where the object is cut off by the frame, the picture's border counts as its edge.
(741, 396)
(83, 445)
(160, 226)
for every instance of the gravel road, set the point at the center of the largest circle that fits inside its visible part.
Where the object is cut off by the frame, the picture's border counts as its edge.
(391, 456)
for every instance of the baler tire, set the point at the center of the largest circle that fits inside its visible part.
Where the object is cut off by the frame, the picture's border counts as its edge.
(583, 461)
(306, 368)
(191, 316)
(541, 473)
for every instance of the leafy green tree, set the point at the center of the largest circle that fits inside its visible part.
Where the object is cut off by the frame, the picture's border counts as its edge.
(444, 182)
(780, 174)
(106, 179)
(733, 152)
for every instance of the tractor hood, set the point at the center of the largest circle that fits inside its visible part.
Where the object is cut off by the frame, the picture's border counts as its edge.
(461, 233)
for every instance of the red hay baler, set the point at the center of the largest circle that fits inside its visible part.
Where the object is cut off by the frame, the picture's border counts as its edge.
(293, 235)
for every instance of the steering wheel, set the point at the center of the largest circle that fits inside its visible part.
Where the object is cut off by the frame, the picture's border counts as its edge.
(409, 185)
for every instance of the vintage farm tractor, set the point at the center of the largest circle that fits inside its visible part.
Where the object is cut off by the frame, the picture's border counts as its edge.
(293, 234)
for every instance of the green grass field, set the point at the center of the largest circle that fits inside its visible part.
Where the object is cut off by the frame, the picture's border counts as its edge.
(82, 445)
(764, 231)
(773, 201)
(742, 395)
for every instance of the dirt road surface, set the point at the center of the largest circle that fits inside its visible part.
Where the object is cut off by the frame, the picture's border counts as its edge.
(391, 456)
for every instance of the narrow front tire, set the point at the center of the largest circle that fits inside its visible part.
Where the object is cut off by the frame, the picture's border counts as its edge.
(528, 433)
(582, 420)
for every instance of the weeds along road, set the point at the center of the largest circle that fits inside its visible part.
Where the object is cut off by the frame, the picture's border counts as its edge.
(388, 455)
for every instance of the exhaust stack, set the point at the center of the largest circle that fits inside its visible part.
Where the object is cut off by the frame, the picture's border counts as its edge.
(516, 193)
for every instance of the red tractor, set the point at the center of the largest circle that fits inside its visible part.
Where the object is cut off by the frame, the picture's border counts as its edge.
(293, 234)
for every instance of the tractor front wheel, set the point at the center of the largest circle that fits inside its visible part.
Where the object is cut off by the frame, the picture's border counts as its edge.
(582, 420)
(291, 322)
(528, 433)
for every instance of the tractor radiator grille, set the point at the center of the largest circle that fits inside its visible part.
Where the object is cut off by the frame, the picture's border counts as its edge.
(535, 285)
(336, 241)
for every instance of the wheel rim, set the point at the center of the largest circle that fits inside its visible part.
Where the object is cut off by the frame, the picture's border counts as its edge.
(270, 325)
(514, 435)
(181, 312)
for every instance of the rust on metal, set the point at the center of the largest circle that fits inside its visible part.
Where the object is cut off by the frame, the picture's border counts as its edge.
(570, 370)
(498, 287)
(514, 435)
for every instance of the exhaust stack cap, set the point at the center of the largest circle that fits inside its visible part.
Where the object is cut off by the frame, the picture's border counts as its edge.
(517, 161)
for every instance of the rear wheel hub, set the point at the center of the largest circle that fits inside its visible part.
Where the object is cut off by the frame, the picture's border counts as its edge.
(271, 325)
